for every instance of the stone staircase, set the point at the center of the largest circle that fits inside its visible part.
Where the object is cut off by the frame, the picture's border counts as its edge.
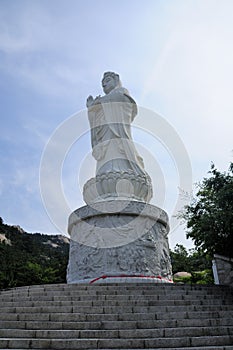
(117, 316)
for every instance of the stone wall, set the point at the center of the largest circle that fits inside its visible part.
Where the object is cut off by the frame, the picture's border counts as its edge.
(223, 270)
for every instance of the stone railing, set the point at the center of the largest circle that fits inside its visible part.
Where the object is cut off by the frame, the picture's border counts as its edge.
(223, 270)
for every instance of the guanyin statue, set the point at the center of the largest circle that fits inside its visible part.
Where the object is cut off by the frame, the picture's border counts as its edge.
(120, 172)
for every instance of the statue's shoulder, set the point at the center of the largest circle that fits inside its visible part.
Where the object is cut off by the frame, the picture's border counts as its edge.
(121, 90)
(121, 94)
(124, 92)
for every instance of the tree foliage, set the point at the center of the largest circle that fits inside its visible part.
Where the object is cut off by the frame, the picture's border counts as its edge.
(189, 261)
(194, 261)
(210, 216)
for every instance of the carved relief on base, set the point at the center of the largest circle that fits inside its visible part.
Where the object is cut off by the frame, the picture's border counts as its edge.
(143, 247)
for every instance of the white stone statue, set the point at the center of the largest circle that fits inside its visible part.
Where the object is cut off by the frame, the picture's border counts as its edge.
(117, 233)
(118, 161)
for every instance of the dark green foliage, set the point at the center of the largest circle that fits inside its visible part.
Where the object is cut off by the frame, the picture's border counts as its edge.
(210, 217)
(196, 262)
(189, 261)
(202, 277)
(28, 259)
(179, 259)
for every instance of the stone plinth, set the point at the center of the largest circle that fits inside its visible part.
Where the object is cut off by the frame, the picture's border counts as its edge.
(118, 238)
(223, 271)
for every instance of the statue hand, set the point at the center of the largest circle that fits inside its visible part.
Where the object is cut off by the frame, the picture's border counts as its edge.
(90, 101)
(97, 99)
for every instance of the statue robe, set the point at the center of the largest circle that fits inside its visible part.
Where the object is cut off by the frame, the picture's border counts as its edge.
(113, 148)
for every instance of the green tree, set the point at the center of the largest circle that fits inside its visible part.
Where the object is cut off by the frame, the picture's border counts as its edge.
(34, 273)
(210, 216)
(189, 260)
(180, 259)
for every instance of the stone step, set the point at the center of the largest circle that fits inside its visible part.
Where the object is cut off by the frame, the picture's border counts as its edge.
(117, 289)
(119, 333)
(123, 289)
(174, 315)
(64, 286)
(75, 317)
(105, 325)
(104, 303)
(119, 298)
(135, 316)
(137, 343)
(223, 347)
(115, 309)
(125, 297)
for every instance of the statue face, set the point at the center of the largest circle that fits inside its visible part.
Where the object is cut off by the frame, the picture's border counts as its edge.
(108, 84)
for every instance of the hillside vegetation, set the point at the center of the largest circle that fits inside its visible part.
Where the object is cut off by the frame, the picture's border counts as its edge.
(28, 259)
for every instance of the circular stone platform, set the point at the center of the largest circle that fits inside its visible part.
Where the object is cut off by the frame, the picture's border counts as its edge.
(115, 238)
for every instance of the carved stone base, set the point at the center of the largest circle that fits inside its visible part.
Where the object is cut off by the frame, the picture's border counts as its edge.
(118, 238)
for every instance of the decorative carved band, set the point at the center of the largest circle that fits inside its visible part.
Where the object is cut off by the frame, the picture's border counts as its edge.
(118, 184)
(122, 207)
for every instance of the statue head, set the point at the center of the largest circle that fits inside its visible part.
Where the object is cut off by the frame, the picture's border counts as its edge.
(110, 81)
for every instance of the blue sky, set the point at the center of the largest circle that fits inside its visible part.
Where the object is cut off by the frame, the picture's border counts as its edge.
(175, 57)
